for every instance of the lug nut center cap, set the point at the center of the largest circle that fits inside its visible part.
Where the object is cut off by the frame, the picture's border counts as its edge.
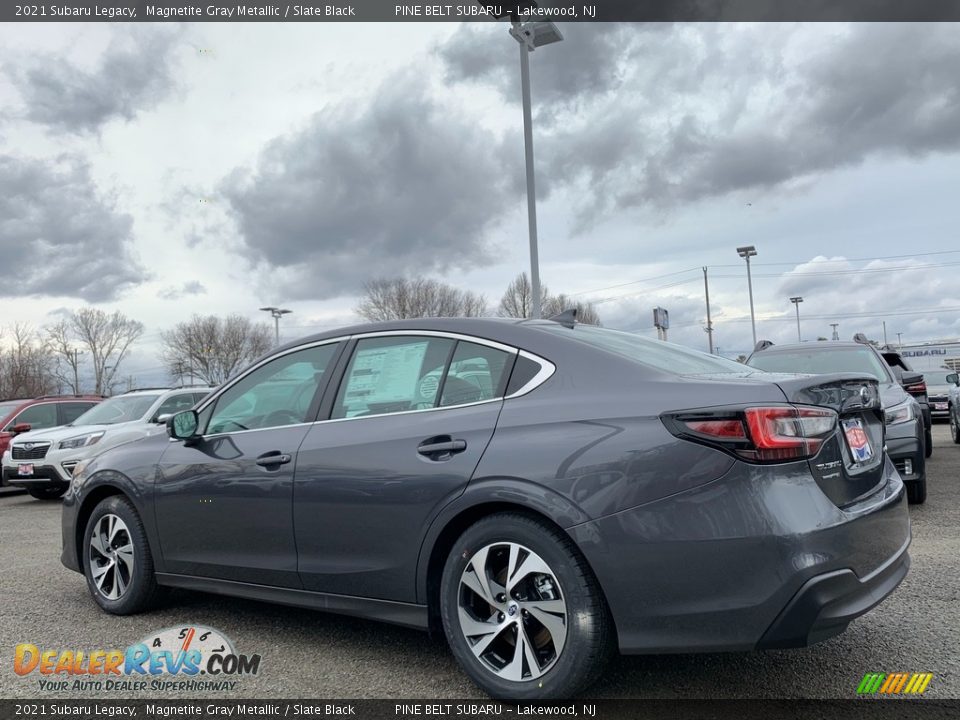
(512, 609)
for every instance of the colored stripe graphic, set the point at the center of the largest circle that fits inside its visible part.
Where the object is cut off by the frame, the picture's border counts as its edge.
(894, 683)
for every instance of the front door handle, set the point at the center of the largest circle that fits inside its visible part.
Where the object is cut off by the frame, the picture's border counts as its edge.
(441, 448)
(273, 459)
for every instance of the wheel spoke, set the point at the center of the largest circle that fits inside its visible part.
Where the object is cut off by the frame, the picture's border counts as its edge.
(96, 542)
(125, 555)
(477, 580)
(99, 572)
(487, 632)
(532, 563)
(555, 625)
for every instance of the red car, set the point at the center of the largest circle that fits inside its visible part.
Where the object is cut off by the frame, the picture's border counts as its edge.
(20, 416)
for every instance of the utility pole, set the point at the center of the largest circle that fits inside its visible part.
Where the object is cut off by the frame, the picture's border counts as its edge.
(706, 292)
(796, 303)
(899, 341)
(836, 335)
(885, 333)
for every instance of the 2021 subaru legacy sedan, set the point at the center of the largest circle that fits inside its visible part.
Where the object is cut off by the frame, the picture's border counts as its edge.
(542, 492)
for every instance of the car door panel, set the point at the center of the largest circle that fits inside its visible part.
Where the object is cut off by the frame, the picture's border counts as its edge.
(222, 515)
(364, 495)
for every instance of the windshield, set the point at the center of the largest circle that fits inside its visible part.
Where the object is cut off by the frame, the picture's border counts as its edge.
(653, 353)
(117, 410)
(819, 360)
(936, 377)
(7, 408)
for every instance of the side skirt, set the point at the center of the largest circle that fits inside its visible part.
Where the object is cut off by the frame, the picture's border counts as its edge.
(395, 613)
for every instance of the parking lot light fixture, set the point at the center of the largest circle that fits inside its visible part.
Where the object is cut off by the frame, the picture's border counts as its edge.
(277, 313)
(747, 252)
(530, 36)
(796, 303)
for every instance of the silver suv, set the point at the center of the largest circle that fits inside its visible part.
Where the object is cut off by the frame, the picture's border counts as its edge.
(43, 461)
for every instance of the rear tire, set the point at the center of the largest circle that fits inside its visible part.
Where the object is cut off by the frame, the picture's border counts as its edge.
(954, 430)
(116, 559)
(47, 493)
(916, 491)
(544, 602)
(927, 442)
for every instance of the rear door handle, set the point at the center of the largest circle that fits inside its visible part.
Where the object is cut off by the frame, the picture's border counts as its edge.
(438, 447)
(273, 459)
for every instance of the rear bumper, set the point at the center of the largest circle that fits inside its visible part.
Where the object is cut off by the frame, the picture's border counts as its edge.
(758, 558)
(826, 604)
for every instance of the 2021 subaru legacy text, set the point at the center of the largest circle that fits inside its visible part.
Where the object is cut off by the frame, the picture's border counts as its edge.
(542, 492)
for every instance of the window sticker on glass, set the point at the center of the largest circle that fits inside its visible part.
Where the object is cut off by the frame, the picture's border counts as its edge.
(384, 375)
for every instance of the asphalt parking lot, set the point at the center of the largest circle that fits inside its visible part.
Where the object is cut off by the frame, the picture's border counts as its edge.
(312, 654)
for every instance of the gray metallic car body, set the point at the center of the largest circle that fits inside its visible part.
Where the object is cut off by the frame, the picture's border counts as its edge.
(693, 548)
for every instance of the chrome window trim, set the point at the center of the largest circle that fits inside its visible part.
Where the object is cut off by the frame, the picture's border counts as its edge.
(547, 369)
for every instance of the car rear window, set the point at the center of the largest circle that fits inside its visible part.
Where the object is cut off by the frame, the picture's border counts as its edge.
(818, 360)
(652, 353)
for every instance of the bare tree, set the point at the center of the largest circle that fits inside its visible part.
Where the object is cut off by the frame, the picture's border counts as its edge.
(60, 338)
(517, 302)
(26, 365)
(398, 298)
(213, 348)
(106, 338)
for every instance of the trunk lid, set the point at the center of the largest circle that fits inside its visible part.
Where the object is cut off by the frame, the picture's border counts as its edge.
(850, 464)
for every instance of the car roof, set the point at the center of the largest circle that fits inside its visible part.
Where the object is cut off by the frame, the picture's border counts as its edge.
(819, 345)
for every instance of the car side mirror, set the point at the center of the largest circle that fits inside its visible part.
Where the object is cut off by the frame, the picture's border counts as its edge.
(953, 378)
(162, 419)
(183, 425)
(21, 428)
(911, 378)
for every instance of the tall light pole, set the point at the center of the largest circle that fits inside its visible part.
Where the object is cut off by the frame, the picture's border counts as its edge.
(836, 335)
(530, 36)
(747, 252)
(796, 303)
(277, 313)
(899, 341)
(709, 327)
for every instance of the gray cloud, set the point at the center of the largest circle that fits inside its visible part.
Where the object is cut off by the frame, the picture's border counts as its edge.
(682, 113)
(192, 287)
(135, 73)
(58, 236)
(397, 186)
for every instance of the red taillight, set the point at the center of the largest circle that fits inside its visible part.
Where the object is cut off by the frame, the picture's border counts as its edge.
(718, 428)
(919, 388)
(766, 434)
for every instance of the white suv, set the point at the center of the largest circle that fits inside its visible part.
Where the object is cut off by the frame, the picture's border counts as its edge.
(43, 461)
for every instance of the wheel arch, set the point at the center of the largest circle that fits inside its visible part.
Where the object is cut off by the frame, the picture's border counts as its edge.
(478, 502)
(100, 487)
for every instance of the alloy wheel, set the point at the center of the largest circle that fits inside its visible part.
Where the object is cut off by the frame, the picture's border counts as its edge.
(512, 611)
(111, 557)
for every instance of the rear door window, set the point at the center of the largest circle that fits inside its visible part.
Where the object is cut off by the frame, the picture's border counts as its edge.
(476, 373)
(393, 374)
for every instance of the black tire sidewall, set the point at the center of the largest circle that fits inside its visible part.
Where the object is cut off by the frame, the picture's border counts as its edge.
(47, 493)
(143, 585)
(585, 624)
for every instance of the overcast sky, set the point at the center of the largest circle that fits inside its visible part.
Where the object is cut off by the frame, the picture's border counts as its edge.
(172, 170)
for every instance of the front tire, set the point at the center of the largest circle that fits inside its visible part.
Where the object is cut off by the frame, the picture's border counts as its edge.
(47, 493)
(954, 430)
(916, 491)
(116, 559)
(522, 611)
(928, 442)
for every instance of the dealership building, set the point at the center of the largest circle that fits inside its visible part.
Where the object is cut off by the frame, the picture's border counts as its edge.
(932, 355)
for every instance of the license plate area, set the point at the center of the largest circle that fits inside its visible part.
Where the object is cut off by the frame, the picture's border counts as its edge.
(858, 442)
(25, 469)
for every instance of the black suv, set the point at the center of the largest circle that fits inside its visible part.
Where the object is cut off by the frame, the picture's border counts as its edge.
(903, 415)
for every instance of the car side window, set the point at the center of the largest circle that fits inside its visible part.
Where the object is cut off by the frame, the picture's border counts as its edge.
(392, 374)
(175, 404)
(476, 373)
(39, 416)
(72, 410)
(276, 394)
